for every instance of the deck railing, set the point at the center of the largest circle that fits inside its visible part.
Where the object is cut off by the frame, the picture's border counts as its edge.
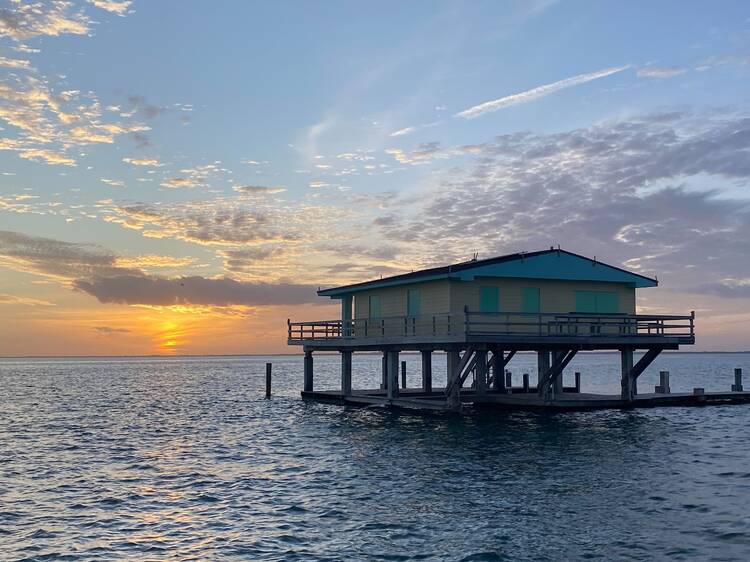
(496, 323)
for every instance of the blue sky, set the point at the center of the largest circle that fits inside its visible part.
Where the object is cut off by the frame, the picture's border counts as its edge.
(304, 144)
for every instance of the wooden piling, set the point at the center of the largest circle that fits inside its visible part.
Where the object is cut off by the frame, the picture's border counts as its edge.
(578, 382)
(526, 382)
(737, 386)
(268, 380)
(508, 382)
(403, 374)
(308, 370)
(663, 386)
(427, 371)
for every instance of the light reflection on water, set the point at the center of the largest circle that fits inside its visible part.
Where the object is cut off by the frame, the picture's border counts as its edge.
(183, 458)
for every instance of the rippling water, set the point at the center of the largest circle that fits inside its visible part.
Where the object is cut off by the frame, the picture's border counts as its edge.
(183, 458)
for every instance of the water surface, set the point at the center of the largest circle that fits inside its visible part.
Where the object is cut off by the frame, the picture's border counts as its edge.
(183, 458)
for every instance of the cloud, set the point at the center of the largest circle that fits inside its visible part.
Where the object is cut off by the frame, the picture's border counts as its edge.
(192, 177)
(318, 184)
(47, 156)
(199, 291)
(110, 331)
(660, 193)
(728, 288)
(258, 189)
(151, 162)
(402, 132)
(52, 18)
(117, 7)
(14, 63)
(660, 71)
(536, 93)
(95, 271)
(424, 152)
(112, 183)
(8, 299)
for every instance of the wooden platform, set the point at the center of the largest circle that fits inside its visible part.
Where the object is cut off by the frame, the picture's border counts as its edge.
(415, 399)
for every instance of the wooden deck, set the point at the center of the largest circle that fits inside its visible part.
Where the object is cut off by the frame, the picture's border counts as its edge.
(513, 331)
(416, 399)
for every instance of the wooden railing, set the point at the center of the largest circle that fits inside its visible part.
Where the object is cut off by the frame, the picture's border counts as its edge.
(500, 323)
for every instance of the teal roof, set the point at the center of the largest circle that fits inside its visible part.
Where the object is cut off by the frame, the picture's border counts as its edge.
(546, 264)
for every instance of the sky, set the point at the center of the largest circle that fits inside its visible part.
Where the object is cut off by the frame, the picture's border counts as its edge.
(181, 177)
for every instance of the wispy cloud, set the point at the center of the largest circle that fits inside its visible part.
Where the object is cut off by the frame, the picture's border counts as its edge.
(660, 71)
(536, 93)
(114, 6)
(402, 132)
(258, 189)
(151, 162)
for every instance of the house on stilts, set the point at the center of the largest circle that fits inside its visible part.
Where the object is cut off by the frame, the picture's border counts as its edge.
(481, 313)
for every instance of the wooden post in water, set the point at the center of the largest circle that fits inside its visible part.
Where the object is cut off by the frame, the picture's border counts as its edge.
(508, 382)
(384, 371)
(627, 382)
(737, 386)
(392, 374)
(578, 382)
(557, 385)
(663, 386)
(346, 373)
(453, 399)
(481, 372)
(308, 369)
(403, 374)
(526, 382)
(427, 370)
(268, 380)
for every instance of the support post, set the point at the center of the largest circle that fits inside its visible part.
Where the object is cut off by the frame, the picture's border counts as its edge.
(508, 382)
(268, 380)
(542, 369)
(481, 372)
(346, 373)
(557, 384)
(526, 382)
(403, 374)
(308, 370)
(578, 382)
(384, 371)
(453, 398)
(663, 386)
(427, 370)
(627, 382)
(737, 386)
(392, 374)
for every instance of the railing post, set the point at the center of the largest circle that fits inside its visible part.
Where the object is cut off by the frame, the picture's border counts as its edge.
(288, 329)
(466, 319)
(382, 327)
(692, 322)
(433, 324)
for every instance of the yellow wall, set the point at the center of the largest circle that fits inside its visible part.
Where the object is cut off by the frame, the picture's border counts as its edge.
(451, 296)
(433, 299)
(555, 296)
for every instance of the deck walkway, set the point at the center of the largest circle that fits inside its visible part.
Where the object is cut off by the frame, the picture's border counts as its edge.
(416, 399)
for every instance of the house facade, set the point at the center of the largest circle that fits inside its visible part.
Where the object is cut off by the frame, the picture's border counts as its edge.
(548, 282)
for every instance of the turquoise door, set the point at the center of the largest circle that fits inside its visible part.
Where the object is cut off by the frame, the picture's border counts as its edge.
(489, 299)
(530, 299)
(412, 302)
(592, 302)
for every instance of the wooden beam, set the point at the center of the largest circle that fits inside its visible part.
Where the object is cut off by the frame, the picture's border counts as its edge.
(544, 385)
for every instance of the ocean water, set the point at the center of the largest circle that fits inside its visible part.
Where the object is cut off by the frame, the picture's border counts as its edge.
(184, 459)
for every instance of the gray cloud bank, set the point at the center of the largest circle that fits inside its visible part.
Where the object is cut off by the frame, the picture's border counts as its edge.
(94, 270)
(663, 193)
